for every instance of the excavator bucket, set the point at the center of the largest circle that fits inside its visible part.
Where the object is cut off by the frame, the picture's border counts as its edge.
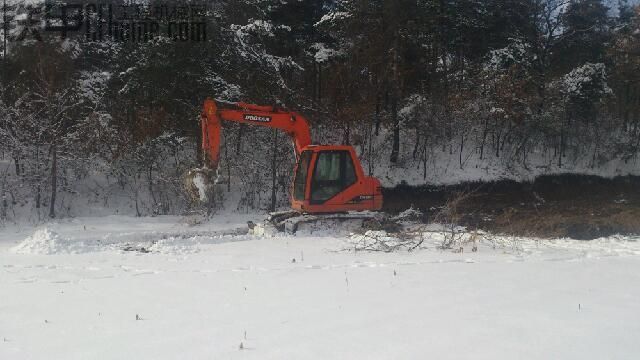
(199, 185)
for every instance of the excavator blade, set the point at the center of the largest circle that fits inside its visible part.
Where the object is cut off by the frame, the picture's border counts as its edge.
(199, 184)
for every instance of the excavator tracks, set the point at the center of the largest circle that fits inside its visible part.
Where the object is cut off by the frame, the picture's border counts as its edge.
(290, 221)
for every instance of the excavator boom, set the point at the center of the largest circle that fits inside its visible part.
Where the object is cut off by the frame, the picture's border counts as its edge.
(293, 124)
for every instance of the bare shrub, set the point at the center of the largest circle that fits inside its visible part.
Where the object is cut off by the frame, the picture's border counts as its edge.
(380, 240)
(449, 217)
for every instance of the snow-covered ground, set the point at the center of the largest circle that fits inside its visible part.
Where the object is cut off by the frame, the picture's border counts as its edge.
(157, 288)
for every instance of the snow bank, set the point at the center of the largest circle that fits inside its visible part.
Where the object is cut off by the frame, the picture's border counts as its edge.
(43, 241)
(160, 235)
(47, 242)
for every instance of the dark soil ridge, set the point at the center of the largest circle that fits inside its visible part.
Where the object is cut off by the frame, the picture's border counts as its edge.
(581, 207)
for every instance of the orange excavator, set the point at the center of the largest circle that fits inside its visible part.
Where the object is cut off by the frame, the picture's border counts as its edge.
(328, 179)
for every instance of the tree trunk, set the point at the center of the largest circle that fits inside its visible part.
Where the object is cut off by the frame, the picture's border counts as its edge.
(16, 161)
(370, 151)
(239, 143)
(377, 114)
(228, 164)
(484, 137)
(461, 149)
(561, 147)
(498, 134)
(424, 160)
(395, 150)
(416, 145)
(150, 183)
(54, 182)
(347, 135)
(38, 199)
(319, 81)
(5, 205)
(199, 152)
(273, 170)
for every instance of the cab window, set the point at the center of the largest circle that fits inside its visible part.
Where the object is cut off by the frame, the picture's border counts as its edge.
(333, 173)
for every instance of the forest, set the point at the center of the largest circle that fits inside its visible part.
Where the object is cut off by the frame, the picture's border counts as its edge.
(428, 92)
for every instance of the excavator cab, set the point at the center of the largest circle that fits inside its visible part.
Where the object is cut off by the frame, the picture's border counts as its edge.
(329, 179)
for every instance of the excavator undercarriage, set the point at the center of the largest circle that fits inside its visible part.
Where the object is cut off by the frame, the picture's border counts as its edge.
(290, 221)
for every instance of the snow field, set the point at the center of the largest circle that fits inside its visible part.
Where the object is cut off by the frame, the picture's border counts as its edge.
(198, 296)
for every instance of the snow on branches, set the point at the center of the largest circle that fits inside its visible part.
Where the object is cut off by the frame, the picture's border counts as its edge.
(588, 81)
(517, 52)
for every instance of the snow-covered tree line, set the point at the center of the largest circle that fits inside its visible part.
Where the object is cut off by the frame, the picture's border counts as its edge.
(427, 91)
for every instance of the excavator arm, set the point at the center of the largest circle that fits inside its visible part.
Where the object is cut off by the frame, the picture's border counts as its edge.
(293, 124)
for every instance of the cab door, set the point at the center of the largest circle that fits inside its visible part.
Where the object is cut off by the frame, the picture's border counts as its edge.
(301, 176)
